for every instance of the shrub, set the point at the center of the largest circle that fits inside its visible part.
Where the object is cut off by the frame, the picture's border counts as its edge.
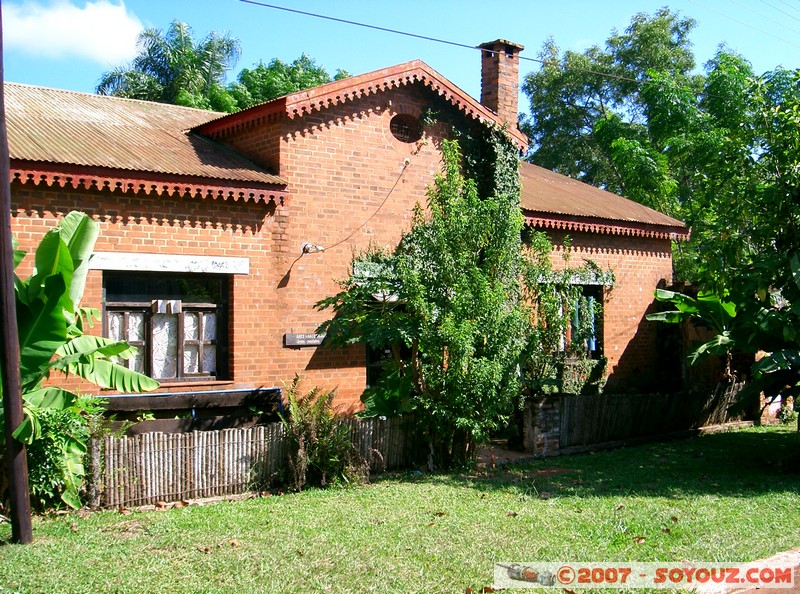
(56, 458)
(786, 414)
(321, 450)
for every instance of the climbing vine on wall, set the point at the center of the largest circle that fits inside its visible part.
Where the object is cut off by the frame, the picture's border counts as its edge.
(460, 303)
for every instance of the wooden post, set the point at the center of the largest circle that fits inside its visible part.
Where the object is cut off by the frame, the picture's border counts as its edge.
(95, 468)
(21, 530)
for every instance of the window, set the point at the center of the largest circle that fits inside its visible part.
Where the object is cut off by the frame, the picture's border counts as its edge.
(178, 322)
(583, 334)
(376, 358)
(406, 128)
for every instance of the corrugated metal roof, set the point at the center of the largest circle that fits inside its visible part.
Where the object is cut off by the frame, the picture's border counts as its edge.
(66, 127)
(549, 193)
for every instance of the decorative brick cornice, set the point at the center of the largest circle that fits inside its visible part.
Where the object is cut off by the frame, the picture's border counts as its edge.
(353, 88)
(605, 227)
(122, 182)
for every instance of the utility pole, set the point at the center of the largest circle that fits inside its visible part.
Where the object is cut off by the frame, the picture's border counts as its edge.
(16, 458)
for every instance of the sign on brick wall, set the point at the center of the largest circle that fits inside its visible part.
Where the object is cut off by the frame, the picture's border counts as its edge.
(302, 340)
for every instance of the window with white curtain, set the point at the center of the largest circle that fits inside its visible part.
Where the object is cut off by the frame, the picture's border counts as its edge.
(176, 321)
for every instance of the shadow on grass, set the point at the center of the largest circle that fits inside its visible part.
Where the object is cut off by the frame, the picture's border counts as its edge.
(735, 464)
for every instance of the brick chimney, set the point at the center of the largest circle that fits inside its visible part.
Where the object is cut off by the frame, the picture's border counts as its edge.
(500, 78)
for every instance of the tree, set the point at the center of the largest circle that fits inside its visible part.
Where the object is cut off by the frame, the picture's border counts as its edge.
(590, 118)
(268, 81)
(449, 295)
(719, 151)
(461, 306)
(633, 119)
(173, 67)
(51, 337)
(746, 159)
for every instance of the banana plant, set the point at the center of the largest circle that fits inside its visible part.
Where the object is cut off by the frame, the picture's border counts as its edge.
(707, 310)
(767, 323)
(51, 338)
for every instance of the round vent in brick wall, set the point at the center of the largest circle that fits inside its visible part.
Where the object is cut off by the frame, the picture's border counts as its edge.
(406, 128)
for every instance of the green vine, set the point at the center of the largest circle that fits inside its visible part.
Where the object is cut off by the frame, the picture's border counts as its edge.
(491, 159)
(490, 155)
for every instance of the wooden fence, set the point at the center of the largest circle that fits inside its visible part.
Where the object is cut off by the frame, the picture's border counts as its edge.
(153, 467)
(588, 420)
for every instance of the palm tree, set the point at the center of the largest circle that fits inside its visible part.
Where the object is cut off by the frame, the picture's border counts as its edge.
(173, 67)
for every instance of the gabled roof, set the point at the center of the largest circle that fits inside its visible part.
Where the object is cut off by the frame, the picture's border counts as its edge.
(554, 201)
(349, 89)
(141, 145)
(69, 139)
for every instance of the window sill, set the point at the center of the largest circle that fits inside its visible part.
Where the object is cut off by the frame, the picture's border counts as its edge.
(197, 383)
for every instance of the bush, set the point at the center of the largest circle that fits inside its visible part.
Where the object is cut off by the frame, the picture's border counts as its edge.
(56, 459)
(786, 414)
(321, 450)
(583, 376)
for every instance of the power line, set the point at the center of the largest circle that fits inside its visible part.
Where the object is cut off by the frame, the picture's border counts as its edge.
(727, 16)
(763, 16)
(783, 11)
(556, 63)
(357, 24)
(406, 163)
(444, 41)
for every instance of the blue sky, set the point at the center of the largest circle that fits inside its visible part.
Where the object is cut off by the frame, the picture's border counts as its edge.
(69, 43)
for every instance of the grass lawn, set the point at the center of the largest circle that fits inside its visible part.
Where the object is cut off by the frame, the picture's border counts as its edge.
(722, 497)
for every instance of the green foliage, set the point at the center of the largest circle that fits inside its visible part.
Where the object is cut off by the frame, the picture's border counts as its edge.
(55, 459)
(707, 310)
(583, 376)
(551, 297)
(460, 305)
(321, 450)
(449, 298)
(215, 98)
(718, 151)
(787, 414)
(746, 221)
(752, 326)
(393, 394)
(276, 79)
(173, 67)
(51, 322)
(593, 119)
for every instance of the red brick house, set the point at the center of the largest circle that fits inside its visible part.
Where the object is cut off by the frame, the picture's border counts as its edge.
(208, 256)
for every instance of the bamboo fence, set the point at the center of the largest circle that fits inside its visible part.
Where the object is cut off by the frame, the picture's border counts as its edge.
(151, 468)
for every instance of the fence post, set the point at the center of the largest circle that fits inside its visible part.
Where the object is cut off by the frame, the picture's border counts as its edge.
(542, 425)
(95, 467)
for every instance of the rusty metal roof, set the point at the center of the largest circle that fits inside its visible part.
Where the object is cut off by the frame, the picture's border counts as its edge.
(65, 127)
(553, 200)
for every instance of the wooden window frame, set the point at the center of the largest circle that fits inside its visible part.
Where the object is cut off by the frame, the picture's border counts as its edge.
(146, 346)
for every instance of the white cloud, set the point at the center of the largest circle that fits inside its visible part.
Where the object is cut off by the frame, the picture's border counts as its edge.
(101, 31)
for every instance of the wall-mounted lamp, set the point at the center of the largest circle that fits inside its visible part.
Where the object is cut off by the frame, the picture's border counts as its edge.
(310, 248)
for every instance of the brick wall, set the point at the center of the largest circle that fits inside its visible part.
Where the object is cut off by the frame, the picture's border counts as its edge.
(630, 342)
(500, 79)
(542, 425)
(343, 167)
(351, 184)
(350, 188)
(168, 226)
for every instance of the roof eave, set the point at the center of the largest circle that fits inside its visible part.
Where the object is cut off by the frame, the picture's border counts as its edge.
(605, 226)
(25, 174)
(352, 88)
